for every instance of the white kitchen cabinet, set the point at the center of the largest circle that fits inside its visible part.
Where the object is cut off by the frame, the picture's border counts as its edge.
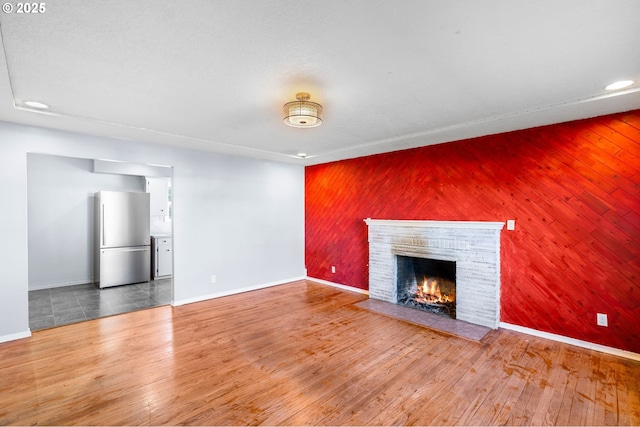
(161, 265)
(158, 188)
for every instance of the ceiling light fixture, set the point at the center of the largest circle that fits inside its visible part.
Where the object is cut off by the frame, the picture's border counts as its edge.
(36, 104)
(302, 113)
(619, 85)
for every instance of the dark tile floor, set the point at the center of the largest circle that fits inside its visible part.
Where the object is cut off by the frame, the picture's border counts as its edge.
(70, 304)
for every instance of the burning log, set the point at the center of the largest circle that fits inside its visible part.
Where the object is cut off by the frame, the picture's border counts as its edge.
(448, 307)
(429, 297)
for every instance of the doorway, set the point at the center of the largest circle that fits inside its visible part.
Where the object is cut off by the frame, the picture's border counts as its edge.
(60, 197)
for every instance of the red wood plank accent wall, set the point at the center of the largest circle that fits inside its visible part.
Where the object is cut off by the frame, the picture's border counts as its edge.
(573, 189)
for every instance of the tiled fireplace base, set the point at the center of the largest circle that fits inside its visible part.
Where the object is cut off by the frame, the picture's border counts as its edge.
(474, 246)
(436, 322)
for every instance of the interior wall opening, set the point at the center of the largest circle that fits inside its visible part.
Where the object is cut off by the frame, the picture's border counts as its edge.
(61, 193)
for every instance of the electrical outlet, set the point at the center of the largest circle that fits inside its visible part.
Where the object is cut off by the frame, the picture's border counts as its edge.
(333, 268)
(213, 278)
(601, 319)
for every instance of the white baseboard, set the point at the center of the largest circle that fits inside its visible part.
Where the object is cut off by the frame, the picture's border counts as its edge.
(12, 337)
(338, 285)
(235, 291)
(584, 344)
(560, 338)
(40, 286)
(578, 343)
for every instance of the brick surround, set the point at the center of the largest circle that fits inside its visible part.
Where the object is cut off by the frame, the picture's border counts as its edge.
(474, 246)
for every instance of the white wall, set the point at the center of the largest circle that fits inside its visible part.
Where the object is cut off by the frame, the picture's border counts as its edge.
(60, 197)
(238, 218)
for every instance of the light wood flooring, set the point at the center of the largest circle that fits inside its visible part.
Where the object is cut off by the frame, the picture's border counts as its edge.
(303, 354)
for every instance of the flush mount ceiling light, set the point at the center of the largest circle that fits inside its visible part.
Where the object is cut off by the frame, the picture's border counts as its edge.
(36, 104)
(302, 113)
(619, 85)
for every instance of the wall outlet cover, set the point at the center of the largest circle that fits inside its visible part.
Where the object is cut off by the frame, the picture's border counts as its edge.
(602, 320)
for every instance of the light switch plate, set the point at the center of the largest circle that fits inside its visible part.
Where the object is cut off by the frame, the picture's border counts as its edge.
(511, 224)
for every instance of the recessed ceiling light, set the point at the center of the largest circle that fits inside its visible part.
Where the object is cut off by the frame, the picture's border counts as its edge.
(619, 85)
(36, 104)
(302, 155)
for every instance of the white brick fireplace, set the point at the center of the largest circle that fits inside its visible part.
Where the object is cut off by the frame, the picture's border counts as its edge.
(474, 246)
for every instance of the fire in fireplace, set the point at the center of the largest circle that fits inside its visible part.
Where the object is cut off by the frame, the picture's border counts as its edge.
(427, 284)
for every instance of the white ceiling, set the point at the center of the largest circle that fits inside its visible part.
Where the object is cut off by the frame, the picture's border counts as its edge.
(214, 74)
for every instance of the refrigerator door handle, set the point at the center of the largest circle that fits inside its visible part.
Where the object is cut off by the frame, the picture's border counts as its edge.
(104, 234)
(142, 248)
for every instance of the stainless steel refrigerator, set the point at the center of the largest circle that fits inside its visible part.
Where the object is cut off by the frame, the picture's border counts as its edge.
(123, 241)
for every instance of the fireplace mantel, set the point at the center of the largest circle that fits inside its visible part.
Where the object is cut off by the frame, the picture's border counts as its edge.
(437, 224)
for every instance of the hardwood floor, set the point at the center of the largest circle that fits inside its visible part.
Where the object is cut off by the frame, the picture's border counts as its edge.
(303, 354)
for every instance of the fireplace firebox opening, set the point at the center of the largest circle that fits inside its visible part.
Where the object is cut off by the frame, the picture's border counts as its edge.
(427, 284)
